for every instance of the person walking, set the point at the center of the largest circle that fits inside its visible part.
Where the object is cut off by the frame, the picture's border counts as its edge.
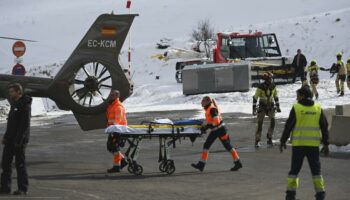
(116, 115)
(307, 126)
(15, 140)
(214, 122)
(267, 95)
(312, 70)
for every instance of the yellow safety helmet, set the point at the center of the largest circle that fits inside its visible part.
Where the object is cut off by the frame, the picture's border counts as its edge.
(339, 54)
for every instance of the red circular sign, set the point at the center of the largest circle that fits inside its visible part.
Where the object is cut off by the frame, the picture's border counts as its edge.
(19, 48)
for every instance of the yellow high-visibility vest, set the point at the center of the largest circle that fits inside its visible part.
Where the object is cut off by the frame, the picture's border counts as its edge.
(307, 128)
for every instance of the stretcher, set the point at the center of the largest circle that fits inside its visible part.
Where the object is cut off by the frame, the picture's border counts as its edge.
(168, 133)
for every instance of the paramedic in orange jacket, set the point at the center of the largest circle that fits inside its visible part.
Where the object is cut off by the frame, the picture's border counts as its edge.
(115, 115)
(213, 121)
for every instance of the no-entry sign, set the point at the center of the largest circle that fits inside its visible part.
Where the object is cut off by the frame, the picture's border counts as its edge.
(19, 48)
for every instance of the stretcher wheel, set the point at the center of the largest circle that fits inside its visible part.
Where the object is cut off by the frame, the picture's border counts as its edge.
(162, 166)
(169, 166)
(170, 169)
(130, 168)
(138, 169)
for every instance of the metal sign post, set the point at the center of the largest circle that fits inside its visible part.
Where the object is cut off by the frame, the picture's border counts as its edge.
(128, 6)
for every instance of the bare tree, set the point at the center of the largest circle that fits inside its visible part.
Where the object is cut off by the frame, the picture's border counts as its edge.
(203, 33)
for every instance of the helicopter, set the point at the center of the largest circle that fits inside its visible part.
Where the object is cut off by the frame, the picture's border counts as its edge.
(84, 82)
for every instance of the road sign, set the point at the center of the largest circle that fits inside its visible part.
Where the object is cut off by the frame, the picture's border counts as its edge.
(19, 48)
(18, 69)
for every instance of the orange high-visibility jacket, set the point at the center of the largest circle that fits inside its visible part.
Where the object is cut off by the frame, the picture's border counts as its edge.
(215, 121)
(116, 114)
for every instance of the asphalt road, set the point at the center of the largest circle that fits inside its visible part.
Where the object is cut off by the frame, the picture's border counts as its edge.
(67, 163)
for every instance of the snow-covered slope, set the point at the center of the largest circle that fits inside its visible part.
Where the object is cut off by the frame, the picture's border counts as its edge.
(59, 25)
(320, 36)
(319, 27)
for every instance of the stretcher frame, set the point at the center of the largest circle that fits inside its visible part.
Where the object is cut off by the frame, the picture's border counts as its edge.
(167, 133)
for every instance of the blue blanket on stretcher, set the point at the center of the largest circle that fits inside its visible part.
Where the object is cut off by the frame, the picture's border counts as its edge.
(189, 122)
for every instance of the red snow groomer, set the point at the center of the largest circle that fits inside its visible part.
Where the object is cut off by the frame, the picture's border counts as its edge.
(261, 50)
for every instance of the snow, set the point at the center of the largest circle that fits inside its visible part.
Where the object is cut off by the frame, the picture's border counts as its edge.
(58, 26)
(39, 108)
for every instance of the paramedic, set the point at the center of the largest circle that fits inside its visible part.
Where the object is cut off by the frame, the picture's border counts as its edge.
(214, 122)
(115, 115)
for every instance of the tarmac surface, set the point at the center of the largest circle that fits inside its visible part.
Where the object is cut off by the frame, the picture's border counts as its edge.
(67, 163)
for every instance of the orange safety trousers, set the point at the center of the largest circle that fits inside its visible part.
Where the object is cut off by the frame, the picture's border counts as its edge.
(118, 156)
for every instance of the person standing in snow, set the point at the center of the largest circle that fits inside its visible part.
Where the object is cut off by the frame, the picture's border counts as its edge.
(299, 64)
(312, 70)
(214, 122)
(307, 126)
(15, 140)
(341, 76)
(266, 93)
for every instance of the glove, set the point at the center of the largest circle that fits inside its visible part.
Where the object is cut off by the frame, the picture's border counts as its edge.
(322, 68)
(325, 150)
(282, 145)
(278, 109)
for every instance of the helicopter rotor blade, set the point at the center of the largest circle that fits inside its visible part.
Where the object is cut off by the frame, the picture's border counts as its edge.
(10, 38)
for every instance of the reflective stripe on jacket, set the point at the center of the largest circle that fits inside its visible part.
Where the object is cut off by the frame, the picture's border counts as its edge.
(215, 121)
(116, 114)
(307, 129)
(266, 95)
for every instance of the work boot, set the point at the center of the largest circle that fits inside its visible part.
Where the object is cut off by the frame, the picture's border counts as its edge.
(238, 165)
(123, 163)
(290, 195)
(320, 195)
(114, 169)
(257, 143)
(316, 95)
(341, 93)
(338, 90)
(200, 166)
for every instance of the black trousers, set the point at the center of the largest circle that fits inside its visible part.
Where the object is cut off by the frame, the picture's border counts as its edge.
(218, 134)
(313, 156)
(9, 152)
(299, 73)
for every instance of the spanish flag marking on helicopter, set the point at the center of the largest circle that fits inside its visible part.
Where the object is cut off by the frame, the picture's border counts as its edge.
(128, 4)
(108, 31)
